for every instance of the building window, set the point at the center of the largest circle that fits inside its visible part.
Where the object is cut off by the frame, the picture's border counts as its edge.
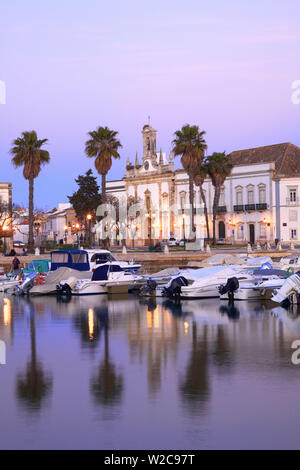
(250, 196)
(182, 199)
(239, 197)
(293, 195)
(262, 195)
(293, 233)
(293, 215)
(262, 231)
(240, 232)
(222, 198)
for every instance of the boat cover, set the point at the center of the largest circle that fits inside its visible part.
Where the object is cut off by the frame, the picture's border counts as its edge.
(54, 277)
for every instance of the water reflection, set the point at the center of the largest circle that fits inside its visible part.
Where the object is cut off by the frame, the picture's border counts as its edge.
(34, 385)
(148, 365)
(107, 385)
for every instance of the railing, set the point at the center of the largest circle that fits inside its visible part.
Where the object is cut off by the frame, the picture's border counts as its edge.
(221, 209)
(250, 207)
(292, 203)
(262, 206)
(238, 208)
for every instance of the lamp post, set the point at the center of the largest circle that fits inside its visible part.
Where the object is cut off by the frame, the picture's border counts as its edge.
(89, 218)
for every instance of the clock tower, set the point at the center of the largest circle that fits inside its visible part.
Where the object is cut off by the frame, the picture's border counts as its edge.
(149, 143)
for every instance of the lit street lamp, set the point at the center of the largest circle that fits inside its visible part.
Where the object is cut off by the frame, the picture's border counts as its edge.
(89, 218)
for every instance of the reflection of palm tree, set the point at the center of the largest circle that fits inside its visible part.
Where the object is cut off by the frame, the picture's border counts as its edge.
(194, 388)
(34, 385)
(107, 386)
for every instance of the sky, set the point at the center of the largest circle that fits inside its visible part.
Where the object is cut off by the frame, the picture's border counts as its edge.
(70, 66)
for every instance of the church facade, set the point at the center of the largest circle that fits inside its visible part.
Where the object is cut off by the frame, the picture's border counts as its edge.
(260, 200)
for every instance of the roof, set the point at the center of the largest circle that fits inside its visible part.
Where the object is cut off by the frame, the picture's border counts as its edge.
(286, 158)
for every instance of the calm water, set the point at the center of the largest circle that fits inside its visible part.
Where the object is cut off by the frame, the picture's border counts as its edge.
(118, 374)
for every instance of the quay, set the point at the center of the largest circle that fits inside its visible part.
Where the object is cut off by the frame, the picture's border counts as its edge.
(152, 261)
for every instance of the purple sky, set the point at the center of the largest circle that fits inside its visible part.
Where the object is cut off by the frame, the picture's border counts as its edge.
(70, 66)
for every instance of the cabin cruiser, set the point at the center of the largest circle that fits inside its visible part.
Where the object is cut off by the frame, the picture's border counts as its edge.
(105, 257)
(105, 279)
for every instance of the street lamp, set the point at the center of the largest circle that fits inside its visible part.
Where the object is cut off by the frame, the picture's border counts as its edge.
(89, 218)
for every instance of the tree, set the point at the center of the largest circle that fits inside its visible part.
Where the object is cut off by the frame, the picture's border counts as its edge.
(219, 167)
(103, 145)
(190, 144)
(200, 174)
(27, 152)
(87, 197)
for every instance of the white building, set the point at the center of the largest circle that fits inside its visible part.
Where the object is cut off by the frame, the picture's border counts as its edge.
(5, 216)
(259, 200)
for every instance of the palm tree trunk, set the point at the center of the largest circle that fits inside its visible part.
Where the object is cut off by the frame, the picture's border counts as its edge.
(30, 233)
(205, 212)
(191, 191)
(103, 188)
(215, 209)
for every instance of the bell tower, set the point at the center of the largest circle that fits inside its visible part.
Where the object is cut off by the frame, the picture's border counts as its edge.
(149, 142)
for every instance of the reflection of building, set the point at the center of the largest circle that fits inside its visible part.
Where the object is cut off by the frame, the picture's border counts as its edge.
(260, 200)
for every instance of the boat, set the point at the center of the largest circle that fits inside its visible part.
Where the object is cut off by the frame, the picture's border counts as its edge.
(73, 259)
(9, 283)
(106, 279)
(289, 291)
(260, 285)
(99, 257)
(204, 283)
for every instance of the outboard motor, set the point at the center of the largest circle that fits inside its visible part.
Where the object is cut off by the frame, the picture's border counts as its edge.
(231, 286)
(174, 289)
(63, 290)
(290, 290)
(26, 284)
(148, 289)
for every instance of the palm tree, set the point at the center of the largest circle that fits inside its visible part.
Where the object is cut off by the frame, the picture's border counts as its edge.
(27, 152)
(200, 174)
(103, 144)
(190, 144)
(219, 167)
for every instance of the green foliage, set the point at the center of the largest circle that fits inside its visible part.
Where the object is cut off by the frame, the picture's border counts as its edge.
(219, 167)
(103, 145)
(87, 198)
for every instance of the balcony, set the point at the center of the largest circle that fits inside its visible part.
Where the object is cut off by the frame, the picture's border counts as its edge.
(239, 208)
(262, 206)
(292, 203)
(250, 207)
(221, 209)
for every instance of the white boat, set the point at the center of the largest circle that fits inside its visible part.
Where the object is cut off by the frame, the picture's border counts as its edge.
(289, 290)
(106, 279)
(9, 283)
(204, 283)
(256, 289)
(104, 257)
